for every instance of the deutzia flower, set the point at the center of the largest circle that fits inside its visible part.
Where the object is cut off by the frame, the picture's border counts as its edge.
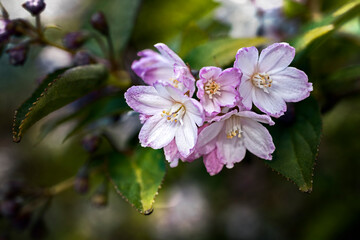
(267, 80)
(165, 67)
(225, 140)
(217, 88)
(170, 115)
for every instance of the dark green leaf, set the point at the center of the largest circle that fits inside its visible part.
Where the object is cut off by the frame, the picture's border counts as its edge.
(219, 52)
(57, 90)
(138, 178)
(297, 144)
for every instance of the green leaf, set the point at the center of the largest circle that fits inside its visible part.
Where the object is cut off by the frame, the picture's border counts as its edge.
(220, 52)
(161, 20)
(57, 90)
(326, 26)
(297, 144)
(138, 178)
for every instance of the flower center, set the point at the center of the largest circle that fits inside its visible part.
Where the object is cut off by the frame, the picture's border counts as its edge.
(233, 127)
(175, 82)
(175, 113)
(262, 81)
(212, 88)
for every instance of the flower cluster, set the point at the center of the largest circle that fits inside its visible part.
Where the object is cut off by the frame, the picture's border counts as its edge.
(219, 125)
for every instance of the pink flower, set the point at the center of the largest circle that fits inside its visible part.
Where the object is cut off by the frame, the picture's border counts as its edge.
(166, 67)
(217, 88)
(168, 115)
(225, 140)
(267, 80)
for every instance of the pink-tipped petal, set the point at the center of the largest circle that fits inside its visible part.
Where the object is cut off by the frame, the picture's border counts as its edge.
(269, 103)
(157, 132)
(212, 163)
(209, 72)
(291, 84)
(169, 54)
(276, 58)
(247, 60)
(171, 153)
(146, 100)
(230, 77)
(257, 139)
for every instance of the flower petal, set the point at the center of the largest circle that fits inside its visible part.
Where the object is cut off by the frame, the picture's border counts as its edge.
(230, 150)
(269, 103)
(171, 153)
(169, 54)
(207, 137)
(186, 136)
(246, 92)
(195, 111)
(257, 139)
(230, 77)
(157, 132)
(146, 100)
(212, 163)
(257, 117)
(207, 73)
(276, 58)
(247, 60)
(291, 84)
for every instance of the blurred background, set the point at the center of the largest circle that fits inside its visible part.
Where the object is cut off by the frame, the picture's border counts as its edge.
(247, 202)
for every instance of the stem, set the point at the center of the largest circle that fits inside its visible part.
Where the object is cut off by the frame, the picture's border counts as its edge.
(111, 52)
(62, 186)
(38, 26)
(100, 42)
(46, 42)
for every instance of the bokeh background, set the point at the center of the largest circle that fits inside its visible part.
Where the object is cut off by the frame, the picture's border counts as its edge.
(247, 202)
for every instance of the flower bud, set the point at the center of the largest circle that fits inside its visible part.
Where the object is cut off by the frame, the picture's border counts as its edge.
(4, 32)
(35, 7)
(74, 40)
(99, 22)
(18, 54)
(90, 143)
(82, 58)
(100, 197)
(81, 184)
(9, 208)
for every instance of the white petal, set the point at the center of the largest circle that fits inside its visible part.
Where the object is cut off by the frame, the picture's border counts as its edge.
(269, 103)
(208, 136)
(245, 90)
(257, 139)
(146, 100)
(230, 150)
(276, 58)
(186, 136)
(157, 132)
(247, 60)
(169, 54)
(257, 117)
(291, 84)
